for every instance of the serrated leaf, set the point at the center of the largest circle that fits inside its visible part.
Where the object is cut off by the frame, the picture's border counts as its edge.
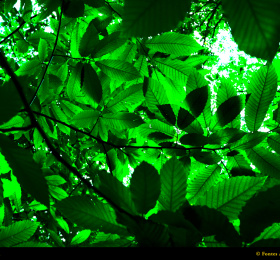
(267, 162)
(18, 232)
(154, 95)
(28, 173)
(118, 69)
(58, 193)
(116, 191)
(194, 139)
(29, 68)
(145, 187)
(91, 83)
(85, 119)
(197, 99)
(263, 87)
(184, 119)
(43, 50)
(201, 180)
(174, 43)
(73, 87)
(173, 179)
(176, 70)
(257, 21)
(207, 157)
(148, 18)
(122, 120)
(227, 112)
(168, 113)
(89, 40)
(81, 237)
(249, 140)
(239, 166)
(230, 195)
(123, 99)
(90, 213)
(108, 44)
(274, 142)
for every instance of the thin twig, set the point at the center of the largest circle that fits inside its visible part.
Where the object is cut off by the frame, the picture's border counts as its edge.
(50, 60)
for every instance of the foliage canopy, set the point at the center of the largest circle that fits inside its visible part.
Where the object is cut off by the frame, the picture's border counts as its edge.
(112, 134)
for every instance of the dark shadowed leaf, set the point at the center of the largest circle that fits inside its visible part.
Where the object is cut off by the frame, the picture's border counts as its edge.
(167, 112)
(259, 213)
(148, 18)
(145, 187)
(91, 83)
(28, 173)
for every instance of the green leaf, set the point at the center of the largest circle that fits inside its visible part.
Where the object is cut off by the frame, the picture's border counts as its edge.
(108, 44)
(249, 140)
(176, 70)
(125, 99)
(263, 87)
(225, 91)
(260, 212)
(85, 119)
(184, 119)
(73, 87)
(74, 9)
(18, 232)
(63, 224)
(122, 120)
(267, 162)
(174, 43)
(57, 192)
(274, 142)
(226, 136)
(201, 180)
(148, 18)
(43, 50)
(118, 69)
(207, 157)
(239, 166)
(89, 40)
(81, 237)
(230, 195)
(145, 187)
(183, 233)
(10, 102)
(195, 79)
(212, 222)
(270, 242)
(9, 5)
(91, 83)
(29, 68)
(75, 41)
(90, 213)
(28, 173)
(255, 29)
(194, 139)
(173, 179)
(197, 99)
(116, 191)
(168, 113)
(227, 112)
(154, 95)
